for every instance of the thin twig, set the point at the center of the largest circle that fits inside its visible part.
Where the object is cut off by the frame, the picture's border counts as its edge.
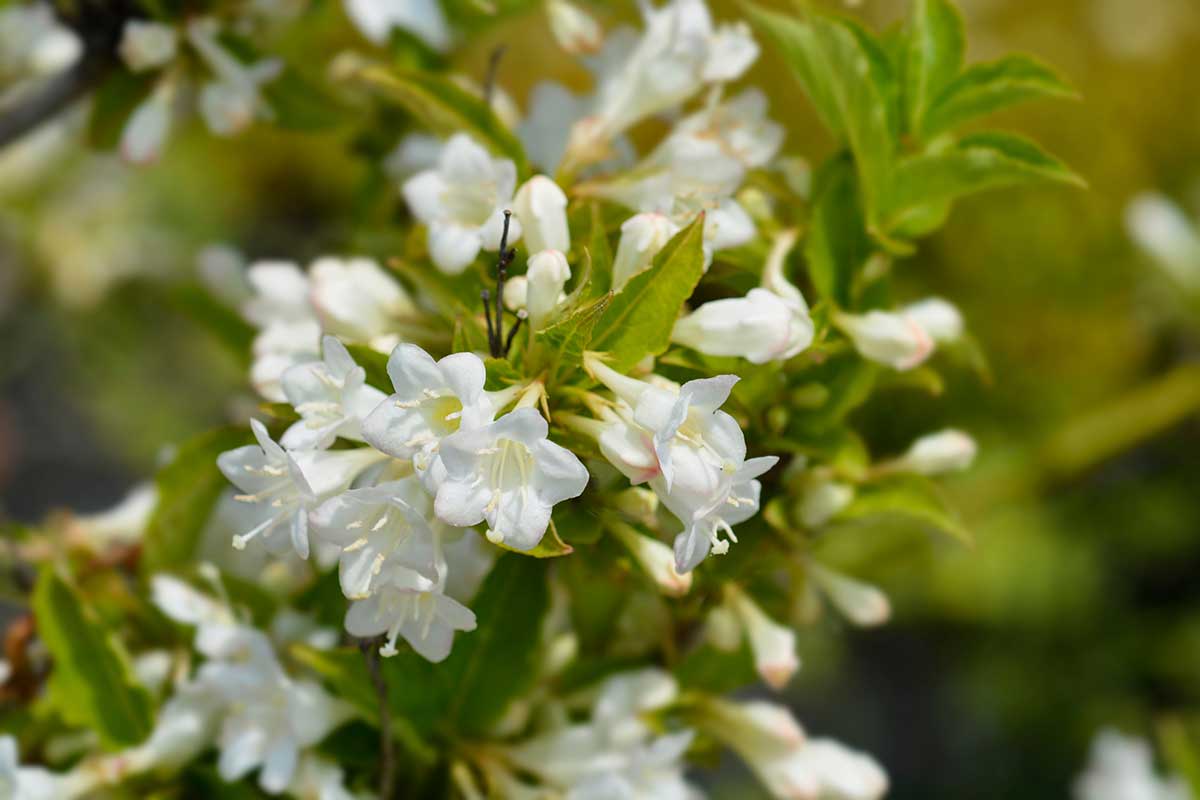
(505, 258)
(487, 314)
(387, 767)
(493, 67)
(512, 334)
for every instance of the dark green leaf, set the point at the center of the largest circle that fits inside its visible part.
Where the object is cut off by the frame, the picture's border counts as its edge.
(374, 363)
(92, 682)
(984, 88)
(600, 256)
(188, 488)
(112, 104)
(639, 320)
(299, 104)
(837, 244)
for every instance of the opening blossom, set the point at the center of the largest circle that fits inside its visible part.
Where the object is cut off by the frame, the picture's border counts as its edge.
(462, 201)
(331, 396)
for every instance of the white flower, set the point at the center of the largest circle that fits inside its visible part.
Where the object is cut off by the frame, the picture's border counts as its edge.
(642, 236)
(289, 332)
(890, 338)
(655, 558)
(790, 766)
(432, 400)
(862, 604)
(938, 318)
(415, 153)
(124, 523)
(574, 29)
(676, 55)
(462, 201)
(271, 718)
(1122, 768)
(356, 300)
(1161, 228)
(739, 126)
(773, 645)
(945, 451)
(36, 783)
(331, 397)
(651, 772)
(379, 530)
(424, 18)
(147, 45)
(231, 102)
(185, 727)
(509, 474)
(822, 501)
(553, 110)
(759, 327)
(222, 270)
(145, 132)
(318, 778)
(541, 206)
(291, 484)
(34, 42)
(516, 293)
(280, 294)
(703, 476)
(414, 608)
(546, 277)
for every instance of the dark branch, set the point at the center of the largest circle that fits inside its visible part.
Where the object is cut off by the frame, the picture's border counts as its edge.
(493, 67)
(512, 334)
(387, 766)
(55, 95)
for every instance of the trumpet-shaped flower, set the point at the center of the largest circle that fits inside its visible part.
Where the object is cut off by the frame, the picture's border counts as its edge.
(759, 327)
(145, 132)
(432, 400)
(356, 300)
(642, 236)
(290, 484)
(773, 645)
(542, 209)
(424, 18)
(509, 474)
(37, 783)
(331, 397)
(379, 530)
(233, 100)
(414, 608)
(1121, 767)
(655, 558)
(462, 201)
(862, 604)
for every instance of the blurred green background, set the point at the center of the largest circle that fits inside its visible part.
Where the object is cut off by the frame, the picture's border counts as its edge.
(1080, 605)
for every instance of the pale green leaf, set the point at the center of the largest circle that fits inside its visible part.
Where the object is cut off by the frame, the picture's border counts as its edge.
(571, 335)
(908, 499)
(92, 682)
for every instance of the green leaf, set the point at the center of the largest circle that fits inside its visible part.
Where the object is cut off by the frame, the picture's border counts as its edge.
(188, 488)
(978, 162)
(600, 256)
(498, 662)
(848, 77)
(445, 108)
(298, 104)
(709, 669)
(92, 682)
(233, 332)
(837, 244)
(639, 320)
(551, 546)
(936, 45)
(984, 88)
(570, 336)
(911, 499)
(112, 104)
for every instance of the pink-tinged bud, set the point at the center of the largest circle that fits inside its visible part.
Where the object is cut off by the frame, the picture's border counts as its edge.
(860, 603)
(146, 130)
(945, 451)
(890, 338)
(547, 275)
(147, 45)
(773, 645)
(574, 29)
(938, 318)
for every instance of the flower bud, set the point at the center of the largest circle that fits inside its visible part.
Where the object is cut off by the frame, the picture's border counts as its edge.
(822, 501)
(759, 327)
(541, 208)
(146, 130)
(887, 337)
(655, 558)
(637, 503)
(574, 29)
(945, 451)
(147, 45)
(1160, 228)
(516, 293)
(862, 604)
(642, 236)
(938, 318)
(548, 273)
(773, 645)
(355, 299)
